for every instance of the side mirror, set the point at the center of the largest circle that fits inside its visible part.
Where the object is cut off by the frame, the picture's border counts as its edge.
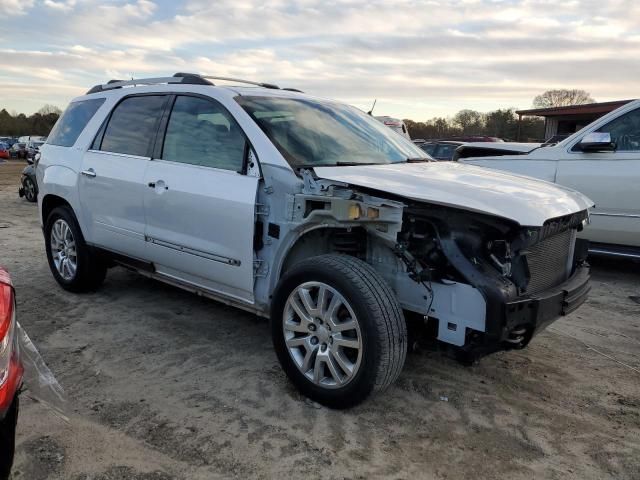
(597, 142)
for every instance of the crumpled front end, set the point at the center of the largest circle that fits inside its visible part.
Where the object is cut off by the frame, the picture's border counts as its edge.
(527, 277)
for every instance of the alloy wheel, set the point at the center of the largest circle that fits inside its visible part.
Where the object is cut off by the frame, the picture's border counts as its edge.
(29, 190)
(63, 249)
(322, 335)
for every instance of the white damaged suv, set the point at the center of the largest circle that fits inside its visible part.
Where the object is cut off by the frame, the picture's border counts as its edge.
(311, 213)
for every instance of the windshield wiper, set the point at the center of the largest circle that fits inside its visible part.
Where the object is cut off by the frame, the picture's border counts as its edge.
(355, 164)
(419, 160)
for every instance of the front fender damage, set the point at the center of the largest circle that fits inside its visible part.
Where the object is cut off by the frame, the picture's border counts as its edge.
(457, 306)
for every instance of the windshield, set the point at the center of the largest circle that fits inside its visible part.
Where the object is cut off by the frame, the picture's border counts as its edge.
(310, 133)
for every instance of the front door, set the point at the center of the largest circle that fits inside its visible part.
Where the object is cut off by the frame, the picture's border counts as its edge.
(610, 179)
(111, 182)
(199, 205)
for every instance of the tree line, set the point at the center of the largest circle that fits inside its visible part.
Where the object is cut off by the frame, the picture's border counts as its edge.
(501, 123)
(18, 124)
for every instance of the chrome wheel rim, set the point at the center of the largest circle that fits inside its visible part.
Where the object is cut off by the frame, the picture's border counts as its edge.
(63, 250)
(322, 335)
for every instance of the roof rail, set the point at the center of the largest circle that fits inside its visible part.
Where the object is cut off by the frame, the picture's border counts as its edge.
(184, 78)
(239, 80)
(180, 77)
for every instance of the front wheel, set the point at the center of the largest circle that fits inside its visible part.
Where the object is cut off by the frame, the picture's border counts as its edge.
(338, 330)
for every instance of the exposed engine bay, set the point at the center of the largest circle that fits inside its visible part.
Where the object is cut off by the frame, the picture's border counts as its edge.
(488, 282)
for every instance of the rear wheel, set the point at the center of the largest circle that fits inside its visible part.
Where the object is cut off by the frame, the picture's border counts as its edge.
(338, 330)
(73, 264)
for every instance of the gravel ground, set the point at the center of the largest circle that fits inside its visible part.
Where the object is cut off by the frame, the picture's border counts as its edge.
(164, 385)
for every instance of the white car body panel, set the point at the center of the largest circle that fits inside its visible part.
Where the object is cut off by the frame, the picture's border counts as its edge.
(524, 200)
(610, 179)
(542, 169)
(113, 213)
(211, 212)
(511, 146)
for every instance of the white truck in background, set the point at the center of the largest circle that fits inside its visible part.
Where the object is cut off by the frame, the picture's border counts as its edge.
(394, 124)
(602, 161)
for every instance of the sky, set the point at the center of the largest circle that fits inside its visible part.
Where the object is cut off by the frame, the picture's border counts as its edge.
(418, 58)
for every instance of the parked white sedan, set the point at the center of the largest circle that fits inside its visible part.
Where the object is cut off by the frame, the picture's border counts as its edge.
(602, 161)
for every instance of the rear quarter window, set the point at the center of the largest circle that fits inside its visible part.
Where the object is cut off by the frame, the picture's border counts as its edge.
(72, 122)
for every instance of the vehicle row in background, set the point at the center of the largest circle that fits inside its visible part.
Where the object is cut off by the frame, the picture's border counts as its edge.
(22, 147)
(4, 151)
(602, 161)
(18, 150)
(445, 150)
(9, 141)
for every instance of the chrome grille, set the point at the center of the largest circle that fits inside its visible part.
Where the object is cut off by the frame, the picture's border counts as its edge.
(550, 261)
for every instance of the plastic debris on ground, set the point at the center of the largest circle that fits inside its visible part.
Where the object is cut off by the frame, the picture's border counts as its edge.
(39, 382)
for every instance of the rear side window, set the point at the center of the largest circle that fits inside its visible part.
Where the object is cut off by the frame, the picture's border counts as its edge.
(133, 125)
(70, 125)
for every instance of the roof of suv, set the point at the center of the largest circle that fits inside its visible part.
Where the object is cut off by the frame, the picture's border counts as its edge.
(185, 79)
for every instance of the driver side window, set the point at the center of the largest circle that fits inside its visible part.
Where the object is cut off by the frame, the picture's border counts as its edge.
(201, 132)
(625, 131)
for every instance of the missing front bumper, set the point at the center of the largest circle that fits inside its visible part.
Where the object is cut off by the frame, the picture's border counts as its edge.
(535, 312)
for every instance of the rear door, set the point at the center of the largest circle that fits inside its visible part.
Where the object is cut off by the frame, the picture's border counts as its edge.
(199, 203)
(112, 183)
(611, 180)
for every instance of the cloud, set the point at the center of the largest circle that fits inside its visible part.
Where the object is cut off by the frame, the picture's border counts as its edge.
(15, 7)
(60, 5)
(418, 57)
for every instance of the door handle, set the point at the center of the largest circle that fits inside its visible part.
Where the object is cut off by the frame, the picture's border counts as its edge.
(89, 173)
(160, 184)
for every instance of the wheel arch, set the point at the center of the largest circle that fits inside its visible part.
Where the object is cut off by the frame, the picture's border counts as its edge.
(320, 240)
(50, 202)
(57, 185)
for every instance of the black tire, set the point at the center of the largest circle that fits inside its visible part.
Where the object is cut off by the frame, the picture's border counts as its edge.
(8, 439)
(30, 190)
(382, 327)
(90, 268)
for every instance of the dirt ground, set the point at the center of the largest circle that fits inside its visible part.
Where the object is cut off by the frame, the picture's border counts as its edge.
(164, 385)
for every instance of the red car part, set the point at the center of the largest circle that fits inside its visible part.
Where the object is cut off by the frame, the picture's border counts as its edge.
(11, 369)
